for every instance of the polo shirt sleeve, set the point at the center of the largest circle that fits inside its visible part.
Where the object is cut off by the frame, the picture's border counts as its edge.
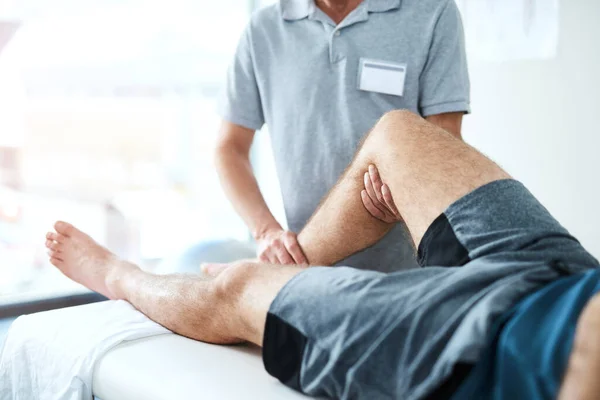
(444, 82)
(240, 101)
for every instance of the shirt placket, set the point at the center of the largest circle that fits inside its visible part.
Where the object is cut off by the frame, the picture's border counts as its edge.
(334, 32)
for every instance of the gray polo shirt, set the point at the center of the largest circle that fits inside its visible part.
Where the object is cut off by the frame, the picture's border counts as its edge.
(320, 87)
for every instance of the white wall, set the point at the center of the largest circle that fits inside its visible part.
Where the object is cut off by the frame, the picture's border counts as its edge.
(264, 167)
(539, 120)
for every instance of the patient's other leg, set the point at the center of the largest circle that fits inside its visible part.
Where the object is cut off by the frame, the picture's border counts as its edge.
(230, 308)
(426, 168)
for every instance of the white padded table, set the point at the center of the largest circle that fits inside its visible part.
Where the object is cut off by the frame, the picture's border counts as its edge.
(171, 367)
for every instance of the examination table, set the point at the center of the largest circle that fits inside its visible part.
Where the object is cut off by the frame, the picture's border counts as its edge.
(171, 367)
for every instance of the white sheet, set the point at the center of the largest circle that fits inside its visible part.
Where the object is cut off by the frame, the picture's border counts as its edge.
(51, 355)
(171, 367)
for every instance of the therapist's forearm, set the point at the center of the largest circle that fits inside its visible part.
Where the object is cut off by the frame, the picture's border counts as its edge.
(450, 122)
(240, 186)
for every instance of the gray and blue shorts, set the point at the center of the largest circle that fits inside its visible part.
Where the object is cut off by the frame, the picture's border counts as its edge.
(354, 334)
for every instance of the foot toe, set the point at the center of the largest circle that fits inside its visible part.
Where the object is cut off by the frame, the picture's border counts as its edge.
(54, 254)
(57, 237)
(64, 228)
(57, 262)
(52, 245)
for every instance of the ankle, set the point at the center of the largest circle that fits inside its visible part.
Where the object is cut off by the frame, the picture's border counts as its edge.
(118, 279)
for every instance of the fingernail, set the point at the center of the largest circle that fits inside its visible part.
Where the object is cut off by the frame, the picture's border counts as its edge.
(371, 168)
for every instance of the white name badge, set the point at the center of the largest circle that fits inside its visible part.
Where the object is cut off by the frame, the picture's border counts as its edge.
(381, 76)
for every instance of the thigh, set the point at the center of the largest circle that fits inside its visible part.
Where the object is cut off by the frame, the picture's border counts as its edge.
(503, 220)
(581, 376)
(426, 168)
(354, 334)
(532, 346)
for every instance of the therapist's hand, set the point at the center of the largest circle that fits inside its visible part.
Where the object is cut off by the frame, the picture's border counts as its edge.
(377, 198)
(279, 246)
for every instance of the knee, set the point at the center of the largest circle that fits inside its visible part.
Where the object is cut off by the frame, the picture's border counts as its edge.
(232, 282)
(395, 127)
(218, 319)
(402, 118)
(210, 309)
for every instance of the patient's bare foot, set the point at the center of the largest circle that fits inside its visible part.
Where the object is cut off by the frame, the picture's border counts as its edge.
(83, 260)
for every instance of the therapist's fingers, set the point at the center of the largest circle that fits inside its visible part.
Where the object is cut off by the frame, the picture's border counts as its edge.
(370, 189)
(275, 252)
(389, 200)
(267, 248)
(290, 240)
(267, 258)
(374, 211)
(380, 204)
(283, 257)
(376, 181)
(384, 200)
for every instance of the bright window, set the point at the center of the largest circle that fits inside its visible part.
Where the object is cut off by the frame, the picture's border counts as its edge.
(107, 120)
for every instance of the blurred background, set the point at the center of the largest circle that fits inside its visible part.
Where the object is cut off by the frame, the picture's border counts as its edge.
(107, 120)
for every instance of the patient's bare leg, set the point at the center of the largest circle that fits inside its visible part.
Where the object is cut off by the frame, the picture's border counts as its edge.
(425, 167)
(230, 308)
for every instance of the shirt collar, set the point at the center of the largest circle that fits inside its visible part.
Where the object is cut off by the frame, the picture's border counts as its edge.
(382, 5)
(293, 10)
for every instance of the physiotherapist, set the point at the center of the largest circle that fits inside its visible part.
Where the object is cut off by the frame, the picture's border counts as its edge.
(320, 74)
